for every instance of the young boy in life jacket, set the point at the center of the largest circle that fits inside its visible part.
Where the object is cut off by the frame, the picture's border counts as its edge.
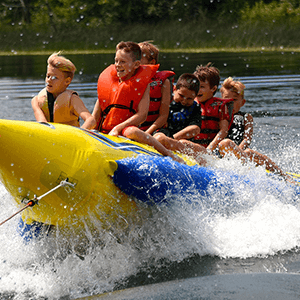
(56, 103)
(160, 90)
(184, 120)
(241, 131)
(216, 113)
(123, 97)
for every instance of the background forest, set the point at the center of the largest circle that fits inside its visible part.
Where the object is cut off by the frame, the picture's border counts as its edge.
(198, 25)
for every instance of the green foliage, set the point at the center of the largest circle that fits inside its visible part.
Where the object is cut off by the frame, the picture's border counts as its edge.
(54, 25)
(272, 14)
(107, 12)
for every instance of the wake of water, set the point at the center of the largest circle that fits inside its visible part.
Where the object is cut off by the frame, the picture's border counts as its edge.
(52, 268)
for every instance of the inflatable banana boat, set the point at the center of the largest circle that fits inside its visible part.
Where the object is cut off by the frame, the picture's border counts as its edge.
(76, 175)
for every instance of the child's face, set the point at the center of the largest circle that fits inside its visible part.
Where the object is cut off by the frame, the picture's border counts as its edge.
(205, 91)
(125, 65)
(184, 96)
(238, 100)
(56, 81)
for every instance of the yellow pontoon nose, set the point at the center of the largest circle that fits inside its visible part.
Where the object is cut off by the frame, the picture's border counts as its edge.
(36, 157)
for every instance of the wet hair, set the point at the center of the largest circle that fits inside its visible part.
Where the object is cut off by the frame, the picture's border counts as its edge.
(234, 86)
(61, 63)
(132, 48)
(149, 51)
(189, 81)
(209, 73)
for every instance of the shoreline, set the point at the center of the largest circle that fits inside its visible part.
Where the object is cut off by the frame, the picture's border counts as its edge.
(165, 50)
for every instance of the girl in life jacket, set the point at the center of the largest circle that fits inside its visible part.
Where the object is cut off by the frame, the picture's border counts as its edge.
(160, 90)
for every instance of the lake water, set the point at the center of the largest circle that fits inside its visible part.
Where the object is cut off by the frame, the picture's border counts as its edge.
(173, 244)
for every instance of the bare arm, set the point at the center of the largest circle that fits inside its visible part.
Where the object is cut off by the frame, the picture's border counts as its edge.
(138, 118)
(82, 111)
(248, 132)
(164, 108)
(187, 133)
(97, 113)
(38, 113)
(223, 124)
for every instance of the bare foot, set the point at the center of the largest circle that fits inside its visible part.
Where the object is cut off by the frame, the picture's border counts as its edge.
(291, 180)
(176, 158)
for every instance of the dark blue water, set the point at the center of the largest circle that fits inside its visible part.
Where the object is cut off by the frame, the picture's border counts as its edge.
(173, 243)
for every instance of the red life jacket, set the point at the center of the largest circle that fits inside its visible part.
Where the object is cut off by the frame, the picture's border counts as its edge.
(213, 111)
(155, 97)
(119, 100)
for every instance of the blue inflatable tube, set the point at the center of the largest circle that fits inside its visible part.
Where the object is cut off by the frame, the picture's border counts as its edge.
(154, 180)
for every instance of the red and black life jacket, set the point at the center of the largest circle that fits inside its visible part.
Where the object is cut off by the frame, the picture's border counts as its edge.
(213, 111)
(155, 96)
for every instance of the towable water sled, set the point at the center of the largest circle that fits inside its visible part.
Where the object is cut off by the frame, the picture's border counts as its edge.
(104, 175)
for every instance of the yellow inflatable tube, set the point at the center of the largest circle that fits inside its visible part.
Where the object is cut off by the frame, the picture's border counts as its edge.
(36, 157)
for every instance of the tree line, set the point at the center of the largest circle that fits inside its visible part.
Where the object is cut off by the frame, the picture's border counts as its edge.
(68, 13)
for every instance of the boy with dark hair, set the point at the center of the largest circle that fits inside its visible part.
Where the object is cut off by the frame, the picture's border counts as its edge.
(123, 97)
(184, 119)
(216, 113)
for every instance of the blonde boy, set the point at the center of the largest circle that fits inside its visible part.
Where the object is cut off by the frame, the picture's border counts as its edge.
(56, 103)
(240, 133)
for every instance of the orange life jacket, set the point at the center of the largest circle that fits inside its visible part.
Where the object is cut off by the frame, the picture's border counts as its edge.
(155, 97)
(119, 100)
(212, 112)
(63, 110)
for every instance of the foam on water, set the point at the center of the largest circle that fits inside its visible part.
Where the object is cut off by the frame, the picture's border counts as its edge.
(252, 224)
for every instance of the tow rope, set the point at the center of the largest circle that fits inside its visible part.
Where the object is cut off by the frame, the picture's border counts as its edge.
(35, 199)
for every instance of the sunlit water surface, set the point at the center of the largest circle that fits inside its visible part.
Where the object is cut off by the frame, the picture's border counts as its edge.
(173, 242)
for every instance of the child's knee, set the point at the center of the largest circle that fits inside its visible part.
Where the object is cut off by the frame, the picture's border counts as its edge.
(159, 136)
(225, 144)
(129, 131)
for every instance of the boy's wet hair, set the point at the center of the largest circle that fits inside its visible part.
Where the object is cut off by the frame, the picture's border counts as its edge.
(189, 81)
(132, 48)
(234, 86)
(209, 73)
(149, 51)
(61, 63)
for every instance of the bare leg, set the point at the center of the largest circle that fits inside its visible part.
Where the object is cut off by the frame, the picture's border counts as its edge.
(182, 146)
(228, 146)
(138, 135)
